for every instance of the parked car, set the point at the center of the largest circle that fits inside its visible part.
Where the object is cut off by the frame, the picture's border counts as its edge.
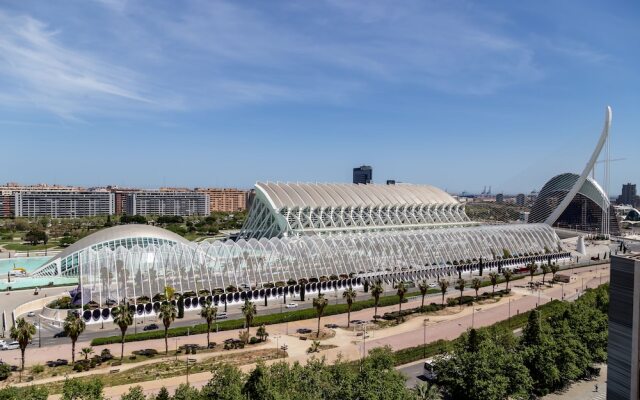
(151, 327)
(60, 334)
(291, 305)
(331, 326)
(222, 315)
(432, 284)
(11, 346)
(304, 331)
(31, 314)
(57, 363)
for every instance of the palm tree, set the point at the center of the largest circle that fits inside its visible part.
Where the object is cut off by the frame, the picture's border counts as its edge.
(476, 283)
(460, 283)
(73, 327)
(554, 270)
(350, 296)
(320, 303)
(86, 352)
(532, 268)
(249, 310)
(493, 277)
(507, 273)
(401, 292)
(209, 312)
(424, 287)
(123, 317)
(426, 391)
(168, 313)
(22, 332)
(443, 288)
(262, 333)
(376, 292)
(545, 270)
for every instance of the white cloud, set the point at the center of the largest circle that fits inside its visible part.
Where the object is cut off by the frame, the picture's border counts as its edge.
(37, 69)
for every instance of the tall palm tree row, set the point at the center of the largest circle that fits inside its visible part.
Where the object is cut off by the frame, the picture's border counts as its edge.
(376, 292)
(507, 273)
(73, 328)
(554, 270)
(461, 283)
(123, 317)
(476, 283)
(22, 332)
(168, 313)
(209, 312)
(249, 310)
(401, 291)
(444, 285)
(545, 270)
(350, 296)
(493, 277)
(320, 303)
(532, 268)
(424, 288)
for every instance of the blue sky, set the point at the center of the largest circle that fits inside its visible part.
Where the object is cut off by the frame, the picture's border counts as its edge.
(212, 93)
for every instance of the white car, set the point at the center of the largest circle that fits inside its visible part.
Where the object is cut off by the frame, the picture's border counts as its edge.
(31, 314)
(11, 346)
(292, 305)
(432, 284)
(221, 315)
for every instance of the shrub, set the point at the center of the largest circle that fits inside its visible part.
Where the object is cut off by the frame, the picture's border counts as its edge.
(5, 371)
(37, 369)
(253, 340)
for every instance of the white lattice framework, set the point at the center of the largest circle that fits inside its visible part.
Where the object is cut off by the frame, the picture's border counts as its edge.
(119, 273)
(288, 209)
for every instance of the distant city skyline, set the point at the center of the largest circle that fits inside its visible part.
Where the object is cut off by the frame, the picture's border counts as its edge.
(214, 94)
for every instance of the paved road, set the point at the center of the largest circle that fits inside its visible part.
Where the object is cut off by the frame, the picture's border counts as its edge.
(413, 372)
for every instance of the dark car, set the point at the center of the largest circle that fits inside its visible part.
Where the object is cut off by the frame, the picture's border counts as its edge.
(331, 326)
(151, 327)
(111, 302)
(304, 331)
(60, 334)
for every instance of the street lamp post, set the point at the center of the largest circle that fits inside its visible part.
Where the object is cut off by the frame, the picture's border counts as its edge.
(509, 319)
(473, 315)
(39, 333)
(277, 337)
(424, 338)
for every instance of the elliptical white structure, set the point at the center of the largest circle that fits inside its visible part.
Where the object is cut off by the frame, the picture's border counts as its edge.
(298, 209)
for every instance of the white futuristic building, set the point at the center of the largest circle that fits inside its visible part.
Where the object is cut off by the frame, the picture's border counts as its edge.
(341, 236)
(295, 209)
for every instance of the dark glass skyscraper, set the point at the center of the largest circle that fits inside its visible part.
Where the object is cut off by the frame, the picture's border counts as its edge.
(363, 174)
(629, 194)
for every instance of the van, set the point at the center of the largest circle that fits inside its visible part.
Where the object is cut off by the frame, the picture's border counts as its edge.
(429, 372)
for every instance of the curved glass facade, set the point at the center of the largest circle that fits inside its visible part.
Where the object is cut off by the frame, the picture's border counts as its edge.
(109, 273)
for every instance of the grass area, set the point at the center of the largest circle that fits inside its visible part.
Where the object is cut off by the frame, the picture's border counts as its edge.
(170, 367)
(28, 247)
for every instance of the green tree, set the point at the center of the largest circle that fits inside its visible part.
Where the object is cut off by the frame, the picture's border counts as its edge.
(187, 392)
(320, 303)
(24, 393)
(262, 333)
(77, 389)
(350, 296)
(444, 285)
(508, 274)
(545, 270)
(423, 287)
(249, 311)
(86, 352)
(532, 268)
(123, 317)
(493, 277)
(259, 384)
(73, 327)
(5, 372)
(22, 332)
(134, 393)
(209, 313)
(426, 391)
(476, 283)
(376, 292)
(461, 283)
(378, 378)
(168, 313)
(401, 291)
(163, 394)
(226, 383)
(554, 270)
